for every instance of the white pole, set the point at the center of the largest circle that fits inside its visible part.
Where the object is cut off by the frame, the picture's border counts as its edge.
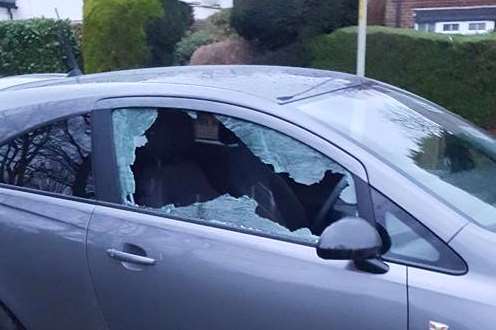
(362, 38)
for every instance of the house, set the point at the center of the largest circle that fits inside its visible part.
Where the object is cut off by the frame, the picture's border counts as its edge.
(442, 16)
(25, 9)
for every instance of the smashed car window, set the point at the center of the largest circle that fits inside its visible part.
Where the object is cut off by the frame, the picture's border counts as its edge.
(287, 155)
(53, 158)
(129, 133)
(228, 172)
(241, 214)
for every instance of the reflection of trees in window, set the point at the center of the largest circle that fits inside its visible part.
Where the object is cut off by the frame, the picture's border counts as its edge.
(443, 151)
(412, 123)
(53, 158)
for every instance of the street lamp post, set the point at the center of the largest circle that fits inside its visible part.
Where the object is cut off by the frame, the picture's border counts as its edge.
(362, 38)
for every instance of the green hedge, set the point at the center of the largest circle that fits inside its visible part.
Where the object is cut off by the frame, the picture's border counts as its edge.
(165, 32)
(114, 34)
(277, 23)
(33, 46)
(458, 72)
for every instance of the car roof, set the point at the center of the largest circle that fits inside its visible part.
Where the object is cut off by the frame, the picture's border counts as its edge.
(258, 87)
(277, 84)
(28, 79)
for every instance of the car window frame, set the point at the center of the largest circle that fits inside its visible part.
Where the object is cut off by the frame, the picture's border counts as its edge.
(281, 125)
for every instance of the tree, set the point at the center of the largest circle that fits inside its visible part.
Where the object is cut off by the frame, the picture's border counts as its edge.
(277, 23)
(165, 32)
(54, 158)
(114, 33)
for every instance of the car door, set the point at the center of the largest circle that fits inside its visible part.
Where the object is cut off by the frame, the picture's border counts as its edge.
(211, 259)
(46, 194)
(437, 275)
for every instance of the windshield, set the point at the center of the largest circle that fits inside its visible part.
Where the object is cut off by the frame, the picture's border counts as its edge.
(447, 156)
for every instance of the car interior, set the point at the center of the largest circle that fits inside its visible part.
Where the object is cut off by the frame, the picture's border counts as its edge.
(193, 158)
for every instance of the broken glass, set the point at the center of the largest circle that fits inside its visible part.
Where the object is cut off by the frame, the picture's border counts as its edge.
(303, 164)
(130, 126)
(239, 213)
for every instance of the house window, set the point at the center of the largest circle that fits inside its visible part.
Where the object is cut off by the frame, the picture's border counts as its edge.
(477, 26)
(426, 27)
(451, 27)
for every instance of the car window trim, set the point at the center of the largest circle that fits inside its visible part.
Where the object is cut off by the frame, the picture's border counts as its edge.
(104, 163)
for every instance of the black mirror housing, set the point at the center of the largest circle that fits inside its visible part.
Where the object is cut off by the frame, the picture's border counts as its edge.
(350, 239)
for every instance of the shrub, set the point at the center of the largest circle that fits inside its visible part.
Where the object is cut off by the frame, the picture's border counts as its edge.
(189, 44)
(457, 72)
(214, 29)
(114, 33)
(34, 46)
(165, 32)
(229, 51)
(276, 23)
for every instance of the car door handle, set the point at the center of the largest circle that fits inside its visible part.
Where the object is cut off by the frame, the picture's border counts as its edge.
(130, 258)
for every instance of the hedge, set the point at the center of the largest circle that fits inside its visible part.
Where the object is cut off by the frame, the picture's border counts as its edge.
(277, 23)
(34, 46)
(114, 33)
(165, 32)
(458, 72)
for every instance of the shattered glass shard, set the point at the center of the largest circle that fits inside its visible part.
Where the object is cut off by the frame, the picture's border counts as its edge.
(130, 126)
(239, 213)
(303, 164)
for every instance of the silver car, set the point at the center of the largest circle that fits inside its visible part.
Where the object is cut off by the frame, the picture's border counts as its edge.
(241, 197)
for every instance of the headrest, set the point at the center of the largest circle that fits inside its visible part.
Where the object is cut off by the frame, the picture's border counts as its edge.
(171, 135)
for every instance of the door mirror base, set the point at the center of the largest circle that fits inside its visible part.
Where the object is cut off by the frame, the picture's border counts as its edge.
(373, 266)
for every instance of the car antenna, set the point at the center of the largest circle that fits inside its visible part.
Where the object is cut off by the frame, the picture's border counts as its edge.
(71, 62)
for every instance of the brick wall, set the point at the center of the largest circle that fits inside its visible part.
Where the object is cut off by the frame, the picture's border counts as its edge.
(376, 12)
(405, 8)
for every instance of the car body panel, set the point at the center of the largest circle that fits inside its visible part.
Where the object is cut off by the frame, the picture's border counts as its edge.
(207, 277)
(43, 260)
(463, 302)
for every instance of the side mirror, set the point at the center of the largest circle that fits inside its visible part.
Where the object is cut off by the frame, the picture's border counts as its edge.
(353, 239)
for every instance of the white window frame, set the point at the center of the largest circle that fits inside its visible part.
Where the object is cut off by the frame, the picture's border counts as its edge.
(463, 27)
(431, 27)
(451, 26)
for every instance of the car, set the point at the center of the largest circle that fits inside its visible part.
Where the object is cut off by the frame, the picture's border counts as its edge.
(242, 197)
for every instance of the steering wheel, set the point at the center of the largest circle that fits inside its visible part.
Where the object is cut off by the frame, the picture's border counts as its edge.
(321, 222)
